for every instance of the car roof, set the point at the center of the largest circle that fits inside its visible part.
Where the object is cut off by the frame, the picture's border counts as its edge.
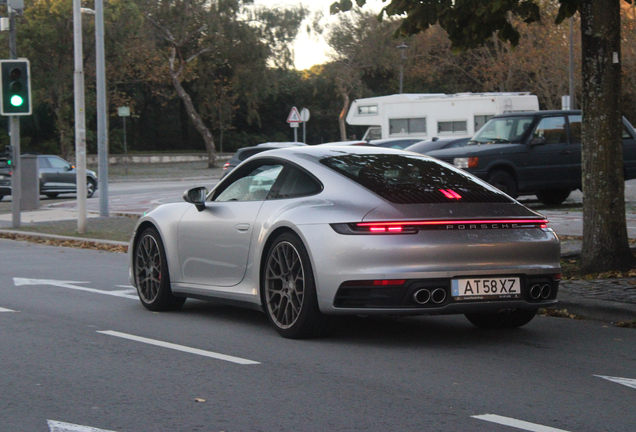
(539, 113)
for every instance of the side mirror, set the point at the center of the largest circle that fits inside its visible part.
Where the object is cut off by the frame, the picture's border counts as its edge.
(196, 196)
(69, 167)
(537, 140)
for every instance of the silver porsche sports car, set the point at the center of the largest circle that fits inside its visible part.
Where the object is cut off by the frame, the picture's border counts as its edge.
(306, 233)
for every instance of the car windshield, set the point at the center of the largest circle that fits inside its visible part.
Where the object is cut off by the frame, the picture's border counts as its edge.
(404, 179)
(502, 130)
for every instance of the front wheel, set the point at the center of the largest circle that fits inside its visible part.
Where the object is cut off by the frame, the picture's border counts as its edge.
(503, 181)
(506, 319)
(290, 296)
(151, 274)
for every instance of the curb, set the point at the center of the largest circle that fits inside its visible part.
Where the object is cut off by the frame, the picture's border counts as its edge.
(66, 238)
(597, 310)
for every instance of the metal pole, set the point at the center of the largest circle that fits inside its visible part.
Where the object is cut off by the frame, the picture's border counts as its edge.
(102, 126)
(572, 104)
(80, 119)
(125, 149)
(304, 135)
(402, 47)
(296, 134)
(14, 132)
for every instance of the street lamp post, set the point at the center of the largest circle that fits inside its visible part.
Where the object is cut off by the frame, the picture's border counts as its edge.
(402, 47)
(80, 119)
(102, 127)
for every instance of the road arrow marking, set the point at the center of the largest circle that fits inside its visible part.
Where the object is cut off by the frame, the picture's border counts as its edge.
(72, 285)
(625, 381)
(6, 310)
(519, 424)
(56, 426)
(179, 348)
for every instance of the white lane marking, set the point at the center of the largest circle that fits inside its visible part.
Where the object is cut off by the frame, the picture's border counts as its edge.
(519, 424)
(71, 285)
(625, 381)
(6, 310)
(56, 426)
(180, 348)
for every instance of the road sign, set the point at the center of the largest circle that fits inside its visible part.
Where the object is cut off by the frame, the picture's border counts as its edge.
(294, 117)
(123, 111)
(304, 115)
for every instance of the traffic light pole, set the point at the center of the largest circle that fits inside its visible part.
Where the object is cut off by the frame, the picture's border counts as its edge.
(14, 132)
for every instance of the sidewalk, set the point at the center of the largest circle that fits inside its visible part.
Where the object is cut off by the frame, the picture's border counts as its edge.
(609, 300)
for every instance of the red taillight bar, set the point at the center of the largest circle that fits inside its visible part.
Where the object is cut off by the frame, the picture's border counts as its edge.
(454, 222)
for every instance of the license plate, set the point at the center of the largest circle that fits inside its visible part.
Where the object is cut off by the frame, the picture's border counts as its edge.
(486, 288)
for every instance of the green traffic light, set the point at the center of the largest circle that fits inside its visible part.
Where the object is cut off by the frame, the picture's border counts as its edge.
(17, 100)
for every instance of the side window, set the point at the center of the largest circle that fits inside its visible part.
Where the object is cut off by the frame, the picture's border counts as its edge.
(253, 186)
(480, 121)
(575, 128)
(552, 129)
(43, 162)
(58, 163)
(298, 184)
(626, 134)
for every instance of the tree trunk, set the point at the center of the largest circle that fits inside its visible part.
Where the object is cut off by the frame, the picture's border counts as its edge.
(192, 113)
(605, 244)
(343, 116)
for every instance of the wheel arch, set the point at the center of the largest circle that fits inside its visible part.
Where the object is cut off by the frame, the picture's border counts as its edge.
(503, 167)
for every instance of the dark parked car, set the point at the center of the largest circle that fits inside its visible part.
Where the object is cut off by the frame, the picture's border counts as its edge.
(245, 152)
(56, 176)
(532, 153)
(423, 147)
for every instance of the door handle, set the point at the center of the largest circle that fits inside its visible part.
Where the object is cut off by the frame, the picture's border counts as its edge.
(242, 227)
(565, 152)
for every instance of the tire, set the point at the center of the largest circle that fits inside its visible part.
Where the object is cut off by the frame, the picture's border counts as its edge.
(503, 181)
(91, 187)
(553, 196)
(51, 195)
(506, 319)
(151, 274)
(289, 290)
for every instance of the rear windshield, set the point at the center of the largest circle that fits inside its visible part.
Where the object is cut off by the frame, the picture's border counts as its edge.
(403, 179)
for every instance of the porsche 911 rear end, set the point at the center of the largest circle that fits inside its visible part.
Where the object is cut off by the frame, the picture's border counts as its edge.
(443, 243)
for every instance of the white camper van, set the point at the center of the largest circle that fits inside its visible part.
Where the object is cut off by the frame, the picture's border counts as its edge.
(431, 115)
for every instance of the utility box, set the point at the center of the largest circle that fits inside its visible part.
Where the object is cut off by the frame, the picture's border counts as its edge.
(30, 199)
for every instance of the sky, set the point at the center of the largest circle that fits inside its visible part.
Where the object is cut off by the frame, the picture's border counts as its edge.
(311, 50)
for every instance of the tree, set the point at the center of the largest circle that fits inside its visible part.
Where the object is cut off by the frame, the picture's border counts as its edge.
(220, 42)
(361, 46)
(470, 23)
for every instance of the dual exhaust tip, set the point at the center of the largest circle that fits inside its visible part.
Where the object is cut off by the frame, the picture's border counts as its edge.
(423, 296)
(438, 295)
(540, 291)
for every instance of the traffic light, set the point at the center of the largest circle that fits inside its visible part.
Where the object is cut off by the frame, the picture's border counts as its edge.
(7, 155)
(16, 87)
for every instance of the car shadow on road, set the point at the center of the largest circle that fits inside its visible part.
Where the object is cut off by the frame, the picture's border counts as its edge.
(429, 331)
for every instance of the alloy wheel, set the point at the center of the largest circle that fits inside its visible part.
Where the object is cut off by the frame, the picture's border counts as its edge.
(148, 268)
(284, 284)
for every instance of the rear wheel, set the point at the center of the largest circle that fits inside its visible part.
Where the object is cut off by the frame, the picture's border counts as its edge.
(91, 187)
(506, 319)
(290, 296)
(503, 181)
(151, 274)
(553, 196)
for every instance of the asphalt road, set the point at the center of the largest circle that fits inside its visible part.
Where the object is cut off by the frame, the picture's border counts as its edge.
(78, 352)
